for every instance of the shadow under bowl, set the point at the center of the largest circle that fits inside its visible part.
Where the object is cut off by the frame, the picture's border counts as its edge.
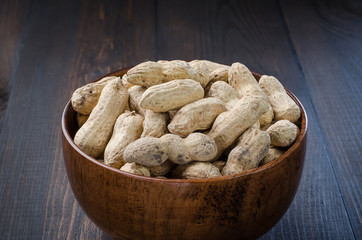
(128, 206)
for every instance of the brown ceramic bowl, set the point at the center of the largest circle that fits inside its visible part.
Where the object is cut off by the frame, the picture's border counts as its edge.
(127, 206)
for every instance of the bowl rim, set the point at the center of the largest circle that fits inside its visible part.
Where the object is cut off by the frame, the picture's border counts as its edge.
(272, 164)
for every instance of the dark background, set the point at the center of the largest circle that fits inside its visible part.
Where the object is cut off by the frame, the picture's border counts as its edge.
(49, 48)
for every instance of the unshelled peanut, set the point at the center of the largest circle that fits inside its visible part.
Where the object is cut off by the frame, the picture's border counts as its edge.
(196, 170)
(228, 126)
(225, 93)
(136, 169)
(198, 115)
(150, 151)
(154, 124)
(283, 133)
(127, 129)
(150, 73)
(283, 106)
(252, 146)
(94, 135)
(171, 95)
(85, 98)
(271, 155)
(162, 169)
(245, 84)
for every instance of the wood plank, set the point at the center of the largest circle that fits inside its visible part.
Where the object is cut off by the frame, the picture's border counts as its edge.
(253, 32)
(13, 25)
(67, 44)
(327, 37)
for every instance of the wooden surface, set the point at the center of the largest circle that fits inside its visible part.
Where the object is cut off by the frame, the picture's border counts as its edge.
(49, 48)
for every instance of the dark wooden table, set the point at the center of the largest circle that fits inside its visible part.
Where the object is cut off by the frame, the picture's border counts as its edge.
(49, 48)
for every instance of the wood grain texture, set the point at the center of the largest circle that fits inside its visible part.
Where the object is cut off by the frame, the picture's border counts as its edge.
(333, 30)
(49, 48)
(13, 26)
(67, 44)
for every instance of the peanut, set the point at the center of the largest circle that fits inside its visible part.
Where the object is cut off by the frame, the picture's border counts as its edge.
(198, 115)
(135, 95)
(228, 126)
(235, 109)
(219, 74)
(149, 73)
(127, 129)
(196, 170)
(171, 95)
(271, 155)
(154, 124)
(252, 146)
(283, 133)
(202, 71)
(219, 164)
(136, 169)
(150, 151)
(210, 65)
(245, 84)
(125, 82)
(162, 169)
(85, 98)
(81, 119)
(225, 93)
(94, 135)
(284, 107)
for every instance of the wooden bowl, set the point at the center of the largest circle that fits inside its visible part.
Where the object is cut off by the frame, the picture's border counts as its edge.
(127, 206)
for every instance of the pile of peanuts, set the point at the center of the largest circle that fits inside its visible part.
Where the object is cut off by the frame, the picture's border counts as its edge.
(178, 119)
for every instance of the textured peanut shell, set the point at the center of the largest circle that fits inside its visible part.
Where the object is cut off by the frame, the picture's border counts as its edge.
(171, 95)
(220, 74)
(136, 169)
(127, 129)
(283, 133)
(135, 95)
(176, 149)
(267, 117)
(178, 69)
(94, 135)
(155, 124)
(196, 170)
(210, 65)
(198, 115)
(225, 93)
(271, 155)
(162, 169)
(219, 164)
(283, 106)
(252, 146)
(151, 151)
(148, 151)
(125, 82)
(228, 126)
(145, 74)
(81, 119)
(85, 98)
(150, 73)
(200, 147)
(245, 84)
(202, 71)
